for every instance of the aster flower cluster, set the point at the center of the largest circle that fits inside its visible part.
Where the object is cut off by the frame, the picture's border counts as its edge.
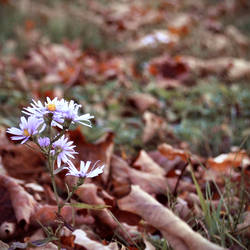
(41, 124)
(42, 117)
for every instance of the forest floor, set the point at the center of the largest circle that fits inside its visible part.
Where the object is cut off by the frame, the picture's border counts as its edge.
(168, 85)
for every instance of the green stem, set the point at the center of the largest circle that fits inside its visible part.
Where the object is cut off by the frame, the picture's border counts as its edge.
(58, 136)
(79, 183)
(51, 170)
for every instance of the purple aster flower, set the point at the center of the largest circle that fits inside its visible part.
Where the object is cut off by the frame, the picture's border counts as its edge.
(54, 107)
(84, 170)
(71, 113)
(44, 141)
(64, 149)
(27, 129)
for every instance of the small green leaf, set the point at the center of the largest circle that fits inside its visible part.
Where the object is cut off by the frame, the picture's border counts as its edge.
(87, 206)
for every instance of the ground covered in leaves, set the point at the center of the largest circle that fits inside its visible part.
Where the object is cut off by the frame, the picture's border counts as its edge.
(168, 84)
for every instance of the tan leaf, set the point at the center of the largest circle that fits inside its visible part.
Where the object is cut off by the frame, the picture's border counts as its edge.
(119, 176)
(99, 151)
(153, 125)
(171, 153)
(89, 193)
(176, 231)
(3, 245)
(18, 162)
(224, 162)
(149, 246)
(23, 203)
(143, 101)
(146, 164)
(123, 175)
(153, 184)
(244, 227)
(164, 162)
(237, 36)
(46, 214)
(39, 235)
(82, 239)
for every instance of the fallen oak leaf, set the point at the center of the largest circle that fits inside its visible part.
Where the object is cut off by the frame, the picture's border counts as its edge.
(176, 231)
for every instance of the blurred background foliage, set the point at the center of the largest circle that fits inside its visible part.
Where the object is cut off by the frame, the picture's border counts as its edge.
(210, 116)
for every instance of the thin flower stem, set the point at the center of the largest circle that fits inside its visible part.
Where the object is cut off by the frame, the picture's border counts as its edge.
(79, 183)
(58, 136)
(51, 169)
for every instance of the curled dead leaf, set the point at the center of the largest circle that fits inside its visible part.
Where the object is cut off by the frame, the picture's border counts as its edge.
(18, 162)
(23, 203)
(171, 153)
(176, 231)
(89, 193)
(224, 162)
(146, 164)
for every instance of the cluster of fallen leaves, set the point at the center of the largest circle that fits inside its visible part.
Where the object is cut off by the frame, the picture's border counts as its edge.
(138, 190)
(136, 193)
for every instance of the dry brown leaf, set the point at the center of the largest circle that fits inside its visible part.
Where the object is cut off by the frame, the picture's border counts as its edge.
(224, 162)
(228, 67)
(46, 214)
(100, 151)
(18, 162)
(171, 153)
(145, 163)
(244, 227)
(164, 162)
(170, 68)
(39, 235)
(89, 193)
(237, 36)
(123, 175)
(181, 24)
(176, 231)
(143, 101)
(153, 184)
(149, 246)
(153, 125)
(82, 239)
(3, 246)
(23, 203)
(119, 176)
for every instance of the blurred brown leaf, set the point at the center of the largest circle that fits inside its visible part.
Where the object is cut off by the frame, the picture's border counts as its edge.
(177, 232)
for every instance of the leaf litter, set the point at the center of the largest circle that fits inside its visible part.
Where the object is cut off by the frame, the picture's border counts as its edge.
(163, 176)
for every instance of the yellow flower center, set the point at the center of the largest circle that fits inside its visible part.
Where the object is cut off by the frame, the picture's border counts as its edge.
(51, 107)
(25, 132)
